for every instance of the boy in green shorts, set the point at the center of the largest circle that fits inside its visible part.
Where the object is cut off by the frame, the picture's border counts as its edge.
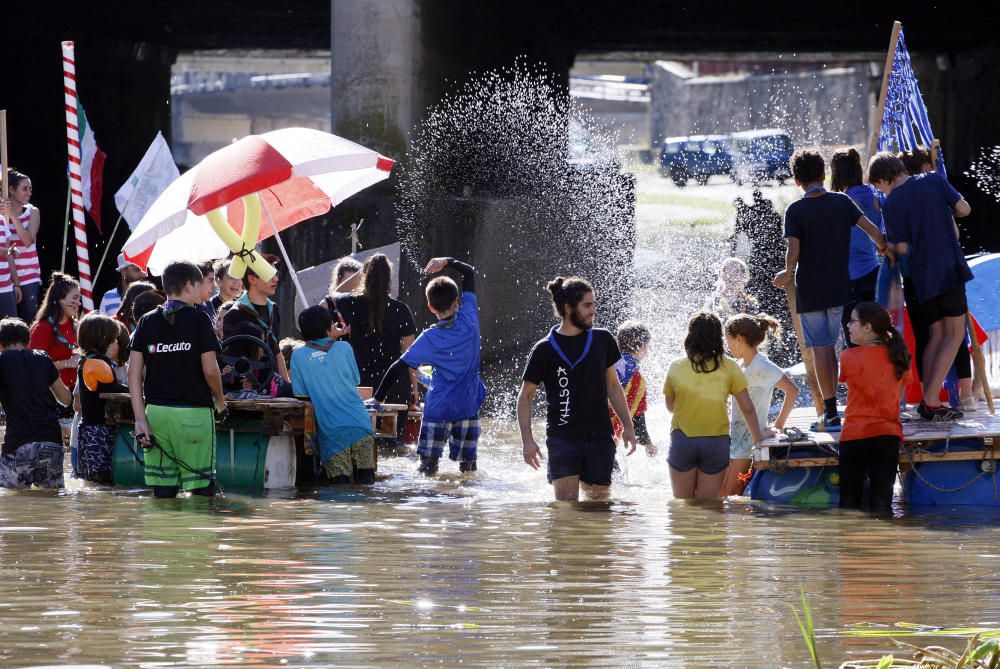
(174, 382)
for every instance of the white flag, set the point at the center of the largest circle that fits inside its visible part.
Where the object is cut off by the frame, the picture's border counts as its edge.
(155, 172)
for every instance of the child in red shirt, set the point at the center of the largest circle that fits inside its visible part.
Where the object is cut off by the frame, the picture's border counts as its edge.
(875, 373)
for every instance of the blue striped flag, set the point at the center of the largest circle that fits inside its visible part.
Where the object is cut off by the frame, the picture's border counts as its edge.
(904, 121)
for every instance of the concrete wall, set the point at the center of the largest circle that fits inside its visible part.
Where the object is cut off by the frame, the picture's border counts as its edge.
(817, 108)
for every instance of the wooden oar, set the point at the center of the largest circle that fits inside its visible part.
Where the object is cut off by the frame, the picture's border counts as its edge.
(979, 363)
(807, 355)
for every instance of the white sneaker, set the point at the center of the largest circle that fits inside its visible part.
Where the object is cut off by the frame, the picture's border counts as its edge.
(968, 405)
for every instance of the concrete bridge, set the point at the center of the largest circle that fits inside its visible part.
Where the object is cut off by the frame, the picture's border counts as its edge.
(392, 58)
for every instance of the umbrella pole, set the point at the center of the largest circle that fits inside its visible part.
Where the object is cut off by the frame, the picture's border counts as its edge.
(284, 254)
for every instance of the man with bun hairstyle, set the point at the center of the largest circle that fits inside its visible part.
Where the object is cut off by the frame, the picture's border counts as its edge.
(576, 364)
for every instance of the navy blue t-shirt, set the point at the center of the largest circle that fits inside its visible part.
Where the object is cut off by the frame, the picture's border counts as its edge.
(919, 212)
(823, 227)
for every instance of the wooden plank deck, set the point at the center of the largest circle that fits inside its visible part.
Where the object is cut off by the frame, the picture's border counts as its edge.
(917, 434)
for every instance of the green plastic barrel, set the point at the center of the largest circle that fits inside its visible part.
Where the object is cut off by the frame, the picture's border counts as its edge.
(240, 454)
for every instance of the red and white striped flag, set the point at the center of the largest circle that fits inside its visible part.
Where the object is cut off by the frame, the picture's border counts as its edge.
(86, 167)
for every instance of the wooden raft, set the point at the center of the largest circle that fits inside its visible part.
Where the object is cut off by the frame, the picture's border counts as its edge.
(275, 414)
(917, 435)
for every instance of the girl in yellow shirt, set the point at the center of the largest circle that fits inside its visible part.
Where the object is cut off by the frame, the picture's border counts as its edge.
(697, 391)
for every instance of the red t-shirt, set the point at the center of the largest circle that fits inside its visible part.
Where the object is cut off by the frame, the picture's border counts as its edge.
(44, 339)
(872, 393)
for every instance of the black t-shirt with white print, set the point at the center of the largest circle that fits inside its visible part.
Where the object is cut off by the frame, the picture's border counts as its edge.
(577, 394)
(172, 354)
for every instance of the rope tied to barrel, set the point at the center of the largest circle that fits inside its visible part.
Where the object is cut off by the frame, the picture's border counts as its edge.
(984, 469)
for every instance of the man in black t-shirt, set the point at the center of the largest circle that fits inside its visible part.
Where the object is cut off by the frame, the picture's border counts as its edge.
(256, 315)
(174, 382)
(29, 387)
(576, 364)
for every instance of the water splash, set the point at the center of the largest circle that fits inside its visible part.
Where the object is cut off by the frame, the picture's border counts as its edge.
(985, 171)
(510, 173)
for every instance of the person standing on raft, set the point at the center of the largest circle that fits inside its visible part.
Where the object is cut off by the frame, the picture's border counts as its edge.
(576, 363)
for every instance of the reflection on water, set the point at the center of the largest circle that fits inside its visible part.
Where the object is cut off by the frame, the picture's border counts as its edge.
(484, 570)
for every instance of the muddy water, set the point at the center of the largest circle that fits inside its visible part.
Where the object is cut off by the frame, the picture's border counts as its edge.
(482, 571)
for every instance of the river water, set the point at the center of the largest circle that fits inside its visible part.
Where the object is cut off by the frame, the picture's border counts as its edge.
(480, 571)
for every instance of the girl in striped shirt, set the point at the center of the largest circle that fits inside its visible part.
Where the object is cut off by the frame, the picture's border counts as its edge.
(8, 296)
(22, 231)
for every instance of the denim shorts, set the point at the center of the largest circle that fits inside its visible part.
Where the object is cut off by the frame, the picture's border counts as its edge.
(821, 328)
(709, 454)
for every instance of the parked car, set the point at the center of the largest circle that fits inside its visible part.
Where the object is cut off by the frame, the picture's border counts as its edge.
(761, 155)
(697, 157)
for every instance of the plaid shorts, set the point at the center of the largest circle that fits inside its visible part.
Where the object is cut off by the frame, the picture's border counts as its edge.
(37, 462)
(462, 437)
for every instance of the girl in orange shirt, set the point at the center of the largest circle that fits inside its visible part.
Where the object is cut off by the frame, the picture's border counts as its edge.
(875, 373)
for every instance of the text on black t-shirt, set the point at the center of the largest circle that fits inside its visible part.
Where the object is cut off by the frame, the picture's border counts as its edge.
(577, 396)
(172, 354)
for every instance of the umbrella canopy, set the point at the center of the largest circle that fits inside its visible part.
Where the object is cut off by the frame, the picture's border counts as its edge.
(298, 172)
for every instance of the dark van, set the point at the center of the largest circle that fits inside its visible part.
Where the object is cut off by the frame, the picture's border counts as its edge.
(697, 157)
(761, 155)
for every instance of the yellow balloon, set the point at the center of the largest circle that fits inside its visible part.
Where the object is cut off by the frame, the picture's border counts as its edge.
(242, 246)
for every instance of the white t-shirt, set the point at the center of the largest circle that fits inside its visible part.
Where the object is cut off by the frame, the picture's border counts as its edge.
(762, 376)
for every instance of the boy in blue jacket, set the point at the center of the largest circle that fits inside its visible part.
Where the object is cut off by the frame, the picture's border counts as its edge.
(451, 347)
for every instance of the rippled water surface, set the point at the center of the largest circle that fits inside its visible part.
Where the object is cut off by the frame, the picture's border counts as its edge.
(478, 571)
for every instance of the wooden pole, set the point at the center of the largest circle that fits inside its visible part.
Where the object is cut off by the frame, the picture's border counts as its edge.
(884, 94)
(107, 247)
(3, 152)
(979, 363)
(807, 356)
(935, 152)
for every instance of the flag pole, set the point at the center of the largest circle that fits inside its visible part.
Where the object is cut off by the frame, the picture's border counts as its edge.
(104, 256)
(3, 152)
(75, 175)
(884, 93)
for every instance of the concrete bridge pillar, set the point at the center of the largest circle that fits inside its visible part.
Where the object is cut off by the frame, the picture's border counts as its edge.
(375, 53)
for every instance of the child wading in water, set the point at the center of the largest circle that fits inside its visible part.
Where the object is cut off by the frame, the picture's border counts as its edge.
(451, 347)
(875, 372)
(744, 334)
(98, 337)
(730, 296)
(697, 392)
(174, 381)
(633, 342)
(32, 451)
(326, 372)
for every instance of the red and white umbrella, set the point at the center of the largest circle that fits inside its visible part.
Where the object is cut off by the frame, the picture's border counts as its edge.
(297, 172)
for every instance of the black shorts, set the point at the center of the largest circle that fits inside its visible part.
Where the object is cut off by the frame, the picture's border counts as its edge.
(590, 458)
(947, 305)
